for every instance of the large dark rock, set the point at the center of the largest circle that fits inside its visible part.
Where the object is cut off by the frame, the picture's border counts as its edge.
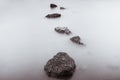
(53, 5)
(60, 66)
(54, 15)
(76, 39)
(63, 30)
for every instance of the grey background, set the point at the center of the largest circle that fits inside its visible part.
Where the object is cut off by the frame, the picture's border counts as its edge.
(28, 39)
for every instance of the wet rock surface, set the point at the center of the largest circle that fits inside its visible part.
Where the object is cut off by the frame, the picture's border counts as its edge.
(54, 15)
(76, 39)
(53, 5)
(62, 8)
(60, 66)
(63, 30)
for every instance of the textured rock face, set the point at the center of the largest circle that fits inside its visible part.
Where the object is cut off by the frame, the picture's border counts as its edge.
(60, 66)
(63, 30)
(54, 15)
(76, 39)
(53, 5)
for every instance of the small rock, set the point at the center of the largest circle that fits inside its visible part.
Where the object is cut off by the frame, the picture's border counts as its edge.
(53, 5)
(63, 30)
(54, 15)
(60, 66)
(61, 8)
(76, 39)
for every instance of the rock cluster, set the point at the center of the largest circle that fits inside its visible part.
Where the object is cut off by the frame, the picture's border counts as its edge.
(61, 65)
(63, 30)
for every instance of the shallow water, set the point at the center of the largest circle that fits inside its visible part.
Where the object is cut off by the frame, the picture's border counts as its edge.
(28, 39)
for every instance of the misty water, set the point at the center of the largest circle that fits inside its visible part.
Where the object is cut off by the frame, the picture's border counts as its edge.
(28, 39)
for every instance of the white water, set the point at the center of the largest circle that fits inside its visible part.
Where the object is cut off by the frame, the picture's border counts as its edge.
(28, 39)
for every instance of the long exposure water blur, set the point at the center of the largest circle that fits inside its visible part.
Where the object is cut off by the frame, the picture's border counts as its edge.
(28, 39)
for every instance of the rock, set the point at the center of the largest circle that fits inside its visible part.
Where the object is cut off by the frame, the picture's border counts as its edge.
(53, 5)
(63, 30)
(54, 15)
(60, 66)
(76, 39)
(62, 8)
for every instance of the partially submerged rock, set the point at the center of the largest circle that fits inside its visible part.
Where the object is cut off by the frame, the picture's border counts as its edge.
(63, 30)
(76, 39)
(54, 15)
(60, 66)
(53, 5)
(62, 8)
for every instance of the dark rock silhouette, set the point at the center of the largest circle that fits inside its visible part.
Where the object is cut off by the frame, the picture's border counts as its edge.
(63, 30)
(76, 39)
(62, 8)
(60, 66)
(53, 5)
(54, 15)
